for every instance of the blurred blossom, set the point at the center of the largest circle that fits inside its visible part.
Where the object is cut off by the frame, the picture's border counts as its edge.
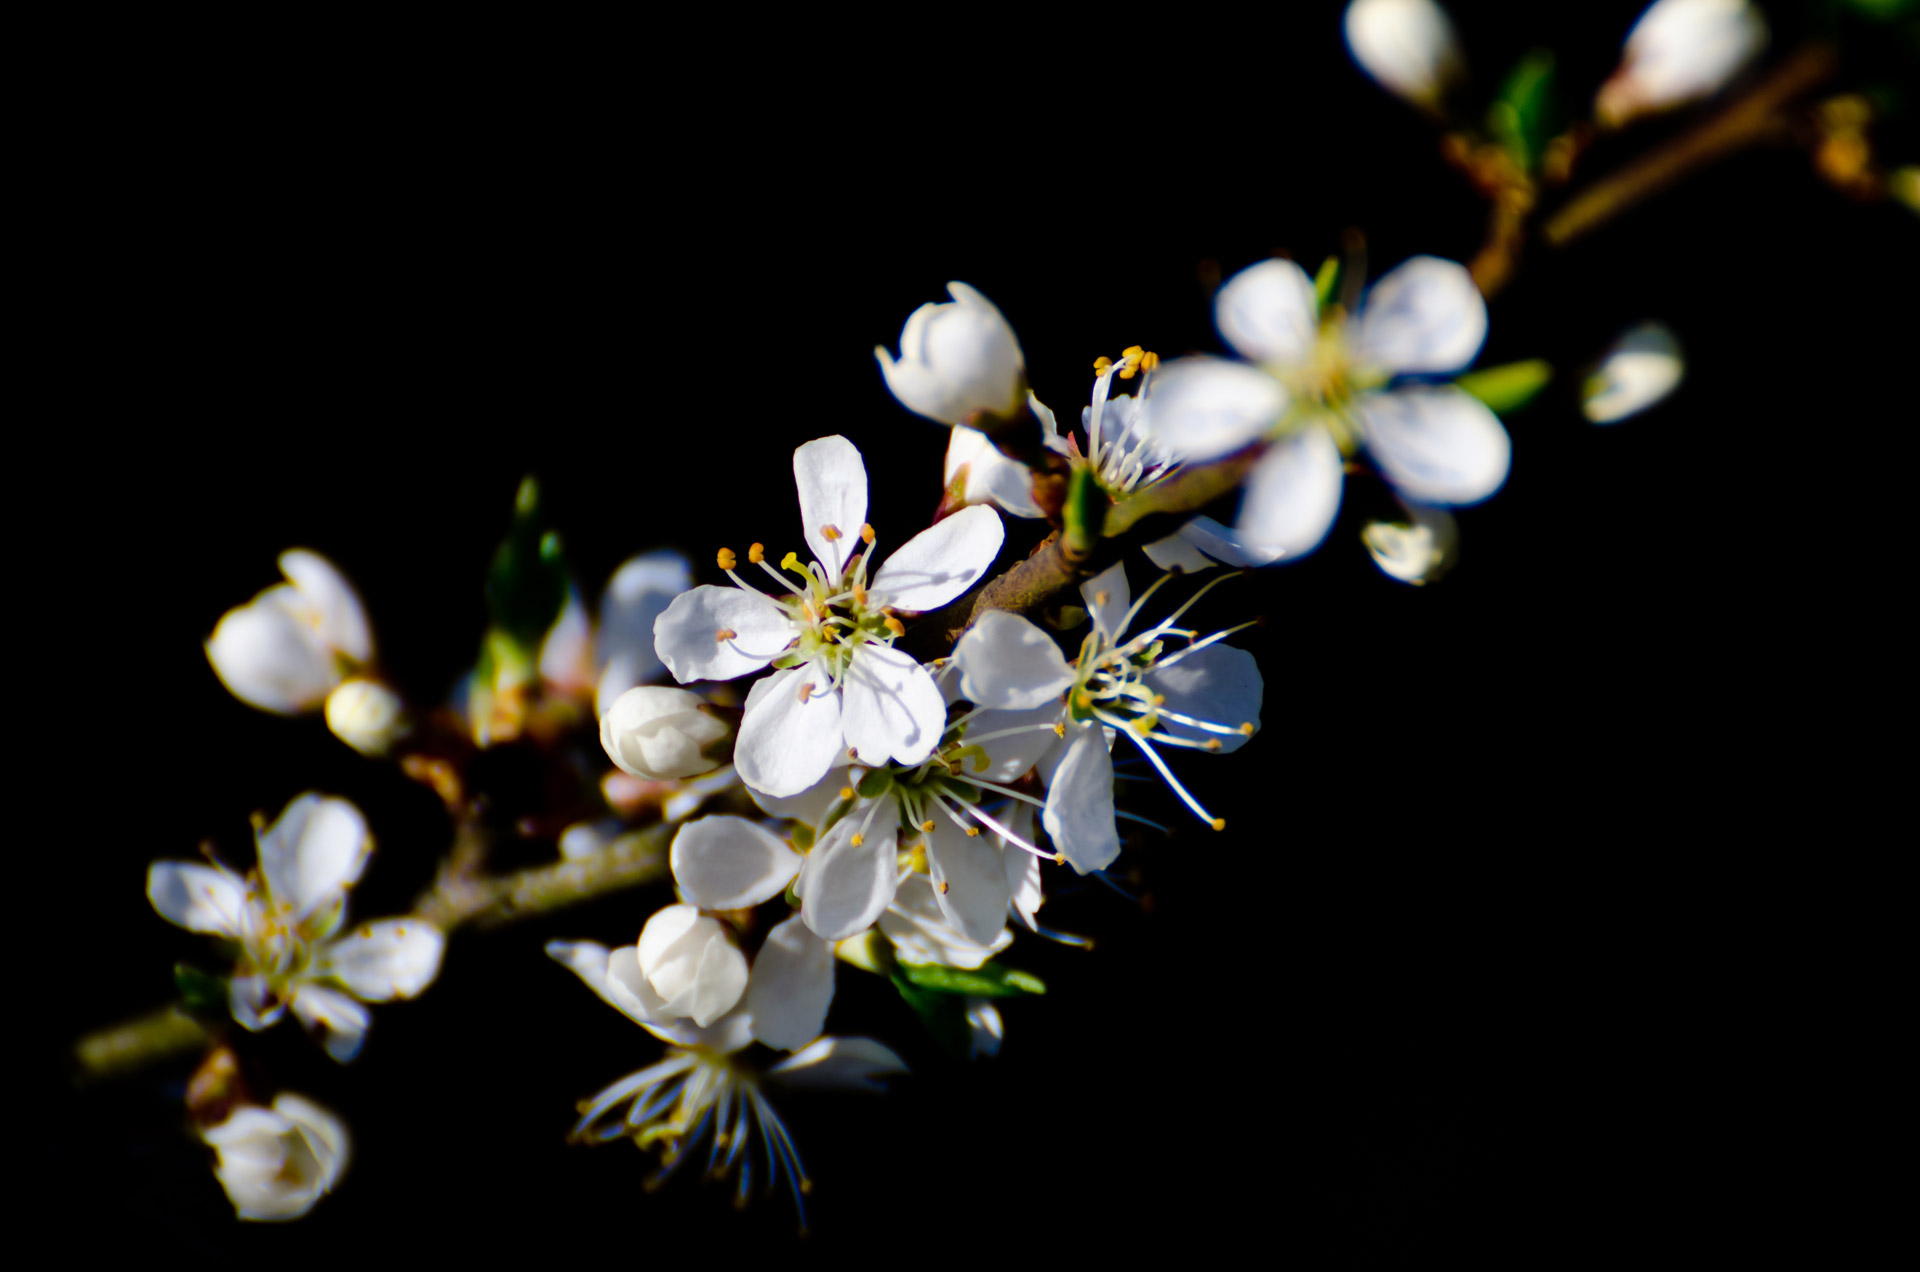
(985, 1031)
(987, 476)
(1407, 46)
(1904, 184)
(956, 360)
(637, 594)
(276, 1163)
(1643, 367)
(661, 733)
(289, 647)
(1680, 51)
(366, 715)
(1416, 550)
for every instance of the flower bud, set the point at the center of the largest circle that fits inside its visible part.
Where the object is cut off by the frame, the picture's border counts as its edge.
(1416, 550)
(957, 359)
(661, 733)
(366, 715)
(1407, 46)
(1643, 366)
(690, 962)
(275, 1163)
(284, 650)
(1678, 51)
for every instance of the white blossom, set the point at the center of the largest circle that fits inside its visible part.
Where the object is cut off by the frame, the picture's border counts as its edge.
(662, 734)
(839, 685)
(276, 1163)
(289, 647)
(1319, 387)
(1640, 370)
(956, 360)
(285, 917)
(1407, 46)
(1680, 51)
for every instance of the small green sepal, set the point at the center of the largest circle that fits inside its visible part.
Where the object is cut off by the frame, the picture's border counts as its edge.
(988, 981)
(1509, 387)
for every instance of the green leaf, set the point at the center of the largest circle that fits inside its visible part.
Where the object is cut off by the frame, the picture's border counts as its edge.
(200, 991)
(527, 580)
(1524, 115)
(1325, 281)
(988, 981)
(1508, 388)
(944, 1015)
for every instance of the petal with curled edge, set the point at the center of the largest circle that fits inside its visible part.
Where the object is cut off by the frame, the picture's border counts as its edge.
(988, 475)
(1437, 444)
(394, 958)
(198, 898)
(1269, 313)
(969, 882)
(940, 562)
(728, 863)
(891, 709)
(838, 1064)
(832, 480)
(1010, 664)
(791, 986)
(339, 616)
(687, 635)
(1292, 499)
(1426, 317)
(1218, 684)
(1079, 809)
(846, 886)
(269, 658)
(337, 1019)
(313, 853)
(1203, 408)
(787, 742)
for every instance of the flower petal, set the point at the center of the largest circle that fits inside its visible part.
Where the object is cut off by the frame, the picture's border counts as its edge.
(1203, 408)
(987, 475)
(269, 659)
(1269, 313)
(394, 958)
(1022, 868)
(728, 863)
(1426, 317)
(984, 1028)
(1292, 498)
(832, 480)
(687, 633)
(940, 562)
(718, 981)
(838, 1064)
(1108, 599)
(1009, 663)
(1026, 737)
(1437, 444)
(922, 933)
(253, 1004)
(791, 986)
(786, 741)
(1218, 684)
(313, 853)
(1407, 46)
(845, 886)
(198, 898)
(335, 1018)
(810, 806)
(891, 708)
(338, 615)
(969, 882)
(1181, 551)
(1079, 811)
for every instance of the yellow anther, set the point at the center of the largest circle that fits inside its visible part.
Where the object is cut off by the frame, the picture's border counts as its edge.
(1214, 744)
(1100, 365)
(846, 792)
(791, 561)
(1059, 858)
(832, 533)
(1060, 728)
(724, 635)
(917, 858)
(866, 534)
(1247, 728)
(1149, 361)
(895, 626)
(926, 827)
(1159, 699)
(727, 559)
(806, 691)
(1219, 823)
(757, 553)
(1083, 700)
(857, 839)
(973, 832)
(366, 934)
(1101, 598)
(859, 594)
(943, 887)
(853, 752)
(1130, 358)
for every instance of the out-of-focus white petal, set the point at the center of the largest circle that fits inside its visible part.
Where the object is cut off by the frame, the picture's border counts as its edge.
(1108, 598)
(791, 986)
(728, 863)
(197, 898)
(394, 958)
(832, 480)
(687, 633)
(985, 1030)
(811, 805)
(1268, 313)
(940, 562)
(1426, 317)
(269, 659)
(1417, 550)
(843, 1064)
(637, 594)
(1022, 868)
(1203, 408)
(585, 959)
(1643, 366)
(253, 1003)
(276, 1163)
(566, 651)
(787, 741)
(1079, 810)
(660, 733)
(969, 883)
(1680, 51)
(1436, 444)
(1292, 498)
(340, 1022)
(990, 477)
(313, 853)
(1218, 684)
(845, 885)
(1009, 663)
(337, 613)
(922, 933)
(1407, 46)
(891, 708)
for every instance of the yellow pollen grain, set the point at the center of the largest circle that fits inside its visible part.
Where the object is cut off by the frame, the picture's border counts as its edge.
(1083, 700)
(895, 626)
(973, 832)
(1247, 728)
(1214, 744)
(1219, 823)
(866, 534)
(806, 691)
(846, 792)
(859, 594)
(1149, 361)
(926, 827)
(857, 839)
(1159, 699)
(831, 533)
(1059, 858)
(727, 559)
(1101, 598)
(943, 887)
(757, 553)
(723, 635)
(1060, 728)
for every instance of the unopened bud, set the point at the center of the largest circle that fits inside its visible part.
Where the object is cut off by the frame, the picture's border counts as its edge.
(366, 715)
(957, 359)
(661, 733)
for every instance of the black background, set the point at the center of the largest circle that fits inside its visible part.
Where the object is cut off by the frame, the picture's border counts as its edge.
(1527, 937)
